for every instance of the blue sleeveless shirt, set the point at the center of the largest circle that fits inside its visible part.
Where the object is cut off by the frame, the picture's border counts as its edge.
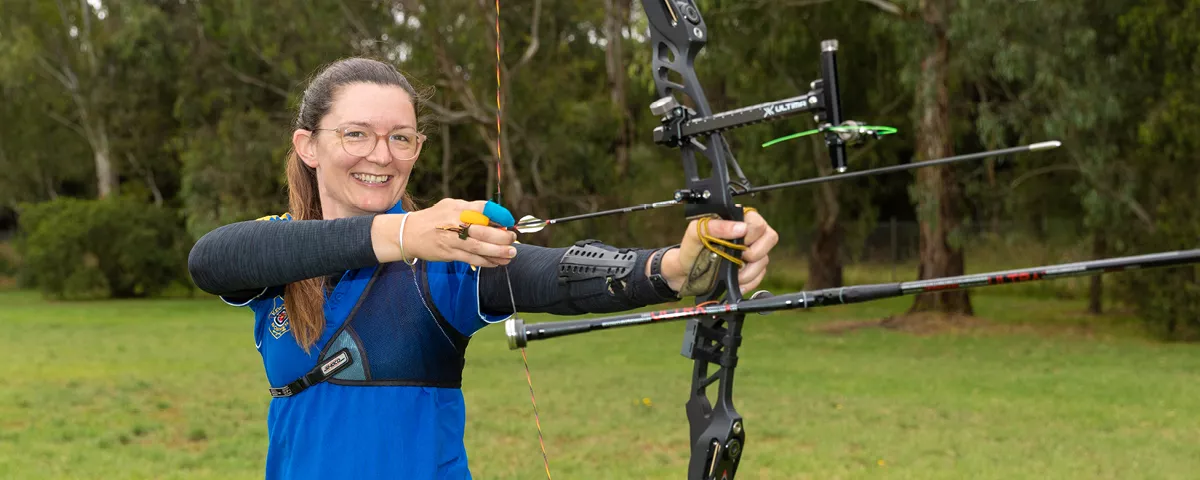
(397, 411)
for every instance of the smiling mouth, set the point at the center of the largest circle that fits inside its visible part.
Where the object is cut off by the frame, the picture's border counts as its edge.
(371, 179)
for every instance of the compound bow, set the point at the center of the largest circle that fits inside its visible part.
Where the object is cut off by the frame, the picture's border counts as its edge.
(713, 333)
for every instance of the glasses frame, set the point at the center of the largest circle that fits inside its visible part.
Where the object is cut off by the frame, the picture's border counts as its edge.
(341, 135)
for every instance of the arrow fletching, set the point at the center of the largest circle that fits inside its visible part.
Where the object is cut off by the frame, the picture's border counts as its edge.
(530, 224)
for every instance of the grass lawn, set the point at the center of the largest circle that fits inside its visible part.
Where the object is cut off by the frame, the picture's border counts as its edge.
(173, 388)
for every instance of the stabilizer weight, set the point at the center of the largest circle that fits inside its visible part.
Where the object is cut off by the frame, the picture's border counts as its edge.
(514, 329)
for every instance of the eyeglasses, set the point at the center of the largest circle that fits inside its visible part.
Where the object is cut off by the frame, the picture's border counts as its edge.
(403, 143)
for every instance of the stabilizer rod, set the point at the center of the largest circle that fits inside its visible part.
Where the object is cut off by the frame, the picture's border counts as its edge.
(519, 334)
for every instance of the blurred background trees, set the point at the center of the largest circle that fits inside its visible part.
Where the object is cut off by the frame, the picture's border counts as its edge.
(131, 128)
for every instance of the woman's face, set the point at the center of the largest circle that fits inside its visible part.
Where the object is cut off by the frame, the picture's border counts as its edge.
(350, 181)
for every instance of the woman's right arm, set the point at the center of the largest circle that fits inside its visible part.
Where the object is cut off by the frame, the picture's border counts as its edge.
(240, 259)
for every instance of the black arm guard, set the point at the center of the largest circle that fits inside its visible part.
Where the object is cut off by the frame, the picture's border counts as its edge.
(589, 259)
(588, 277)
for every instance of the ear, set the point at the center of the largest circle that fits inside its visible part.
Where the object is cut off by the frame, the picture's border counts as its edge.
(305, 147)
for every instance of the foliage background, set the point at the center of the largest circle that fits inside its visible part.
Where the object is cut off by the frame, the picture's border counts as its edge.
(182, 110)
(131, 128)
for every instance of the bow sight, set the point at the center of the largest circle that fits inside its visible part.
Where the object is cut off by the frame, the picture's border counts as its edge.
(682, 124)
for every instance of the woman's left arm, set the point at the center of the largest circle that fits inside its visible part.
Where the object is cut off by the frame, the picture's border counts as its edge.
(592, 277)
(546, 280)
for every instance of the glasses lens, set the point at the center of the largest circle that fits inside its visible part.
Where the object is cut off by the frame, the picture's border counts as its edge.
(404, 144)
(358, 141)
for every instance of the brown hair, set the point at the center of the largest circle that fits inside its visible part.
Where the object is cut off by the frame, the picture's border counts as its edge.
(305, 299)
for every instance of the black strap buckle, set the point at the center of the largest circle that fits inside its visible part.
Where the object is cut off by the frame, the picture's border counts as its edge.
(323, 371)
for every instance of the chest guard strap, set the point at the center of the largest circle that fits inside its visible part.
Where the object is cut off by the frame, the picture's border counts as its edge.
(323, 371)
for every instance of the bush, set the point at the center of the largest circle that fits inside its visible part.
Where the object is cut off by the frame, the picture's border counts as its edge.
(1167, 299)
(119, 248)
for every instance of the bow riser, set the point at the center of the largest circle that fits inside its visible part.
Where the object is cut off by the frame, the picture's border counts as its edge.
(677, 34)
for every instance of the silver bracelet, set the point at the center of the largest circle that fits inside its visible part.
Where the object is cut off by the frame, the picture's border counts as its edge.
(401, 239)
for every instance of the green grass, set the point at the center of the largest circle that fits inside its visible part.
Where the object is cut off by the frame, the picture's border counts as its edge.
(174, 389)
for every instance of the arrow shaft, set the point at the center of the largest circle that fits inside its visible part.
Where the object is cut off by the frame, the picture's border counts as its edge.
(908, 166)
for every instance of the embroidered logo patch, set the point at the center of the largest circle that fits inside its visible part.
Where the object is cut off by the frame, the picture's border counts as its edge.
(267, 218)
(279, 321)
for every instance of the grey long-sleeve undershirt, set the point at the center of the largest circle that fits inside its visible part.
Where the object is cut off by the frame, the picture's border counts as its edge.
(239, 260)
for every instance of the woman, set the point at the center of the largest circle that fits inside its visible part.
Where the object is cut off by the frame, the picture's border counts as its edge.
(364, 306)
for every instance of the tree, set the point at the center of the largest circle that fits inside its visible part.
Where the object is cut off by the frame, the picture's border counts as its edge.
(937, 193)
(1047, 71)
(1021, 73)
(241, 66)
(64, 43)
(1163, 37)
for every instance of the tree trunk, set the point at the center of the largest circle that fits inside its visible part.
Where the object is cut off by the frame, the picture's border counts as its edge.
(615, 19)
(93, 120)
(939, 198)
(106, 175)
(47, 180)
(824, 258)
(148, 175)
(1096, 292)
(824, 262)
(446, 160)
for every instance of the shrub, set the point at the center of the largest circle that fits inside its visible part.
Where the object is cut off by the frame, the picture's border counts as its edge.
(1167, 299)
(72, 248)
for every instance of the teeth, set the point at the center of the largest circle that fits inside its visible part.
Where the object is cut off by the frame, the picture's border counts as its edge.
(372, 178)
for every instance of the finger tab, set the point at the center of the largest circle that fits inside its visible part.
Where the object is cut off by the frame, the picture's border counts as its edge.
(472, 217)
(499, 214)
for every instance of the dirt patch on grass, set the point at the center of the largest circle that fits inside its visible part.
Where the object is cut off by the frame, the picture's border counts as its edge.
(844, 326)
(930, 323)
(926, 323)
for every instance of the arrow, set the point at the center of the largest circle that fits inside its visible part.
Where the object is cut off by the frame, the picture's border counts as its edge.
(532, 224)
